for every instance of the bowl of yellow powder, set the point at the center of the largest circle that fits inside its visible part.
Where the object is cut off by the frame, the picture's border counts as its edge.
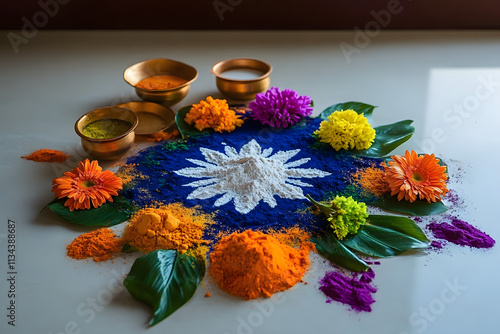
(161, 80)
(107, 133)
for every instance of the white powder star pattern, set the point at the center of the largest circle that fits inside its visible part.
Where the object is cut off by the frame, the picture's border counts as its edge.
(249, 176)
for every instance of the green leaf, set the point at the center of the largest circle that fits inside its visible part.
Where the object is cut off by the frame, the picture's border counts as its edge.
(325, 209)
(382, 242)
(106, 215)
(330, 248)
(359, 107)
(165, 280)
(185, 129)
(417, 208)
(400, 224)
(389, 137)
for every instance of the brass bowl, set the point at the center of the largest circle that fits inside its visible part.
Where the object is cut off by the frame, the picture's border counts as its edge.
(112, 148)
(152, 116)
(161, 66)
(242, 89)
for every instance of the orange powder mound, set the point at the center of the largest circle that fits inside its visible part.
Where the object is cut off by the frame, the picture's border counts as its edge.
(159, 82)
(101, 244)
(172, 226)
(159, 136)
(373, 180)
(253, 264)
(46, 155)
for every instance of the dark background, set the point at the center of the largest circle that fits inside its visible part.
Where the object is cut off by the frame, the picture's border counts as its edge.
(248, 14)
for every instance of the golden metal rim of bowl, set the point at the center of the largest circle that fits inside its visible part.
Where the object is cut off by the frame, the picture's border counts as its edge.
(189, 82)
(242, 63)
(132, 128)
(166, 114)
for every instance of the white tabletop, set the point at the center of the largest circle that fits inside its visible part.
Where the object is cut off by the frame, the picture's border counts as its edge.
(448, 82)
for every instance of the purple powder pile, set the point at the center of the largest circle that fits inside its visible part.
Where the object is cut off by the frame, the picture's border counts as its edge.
(356, 291)
(461, 233)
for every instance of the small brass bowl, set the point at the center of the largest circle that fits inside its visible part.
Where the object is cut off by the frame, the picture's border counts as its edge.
(112, 148)
(152, 116)
(161, 66)
(242, 89)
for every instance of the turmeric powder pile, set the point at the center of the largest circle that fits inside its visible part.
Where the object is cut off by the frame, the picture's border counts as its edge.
(100, 245)
(160, 82)
(253, 264)
(167, 227)
(373, 180)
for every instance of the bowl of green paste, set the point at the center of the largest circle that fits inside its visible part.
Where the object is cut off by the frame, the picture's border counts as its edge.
(107, 133)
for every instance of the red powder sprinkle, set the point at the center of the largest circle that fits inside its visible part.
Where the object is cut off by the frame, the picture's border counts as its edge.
(46, 155)
(208, 294)
(461, 233)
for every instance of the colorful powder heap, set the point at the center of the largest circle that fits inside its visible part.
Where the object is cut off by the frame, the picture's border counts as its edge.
(253, 264)
(167, 227)
(100, 245)
(354, 291)
(461, 233)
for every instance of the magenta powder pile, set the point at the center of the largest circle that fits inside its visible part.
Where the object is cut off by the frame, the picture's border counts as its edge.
(356, 291)
(461, 233)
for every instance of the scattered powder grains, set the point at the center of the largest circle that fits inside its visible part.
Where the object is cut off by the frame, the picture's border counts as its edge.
(167, 227)
(100, 245)
(253, 264)
(354, 291)
(373, 180)
(46, 155)
(293, 236)
(162, 135)
(461, 233)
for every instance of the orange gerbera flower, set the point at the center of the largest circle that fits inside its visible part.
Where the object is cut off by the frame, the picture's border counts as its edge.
(86, 183)
(415, 176)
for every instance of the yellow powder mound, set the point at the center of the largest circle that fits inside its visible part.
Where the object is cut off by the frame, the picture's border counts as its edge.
(171, 226)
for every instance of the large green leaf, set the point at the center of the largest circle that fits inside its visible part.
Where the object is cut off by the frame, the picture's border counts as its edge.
(400, 224)
(389, 137)
(165, 280)
(106, 215)
(360, 108)
(417, 208)
(382, 242)
(330, 248)
(185, 129)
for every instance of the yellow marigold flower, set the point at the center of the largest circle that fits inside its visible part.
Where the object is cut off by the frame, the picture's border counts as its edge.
(346, 129)
(213, 113)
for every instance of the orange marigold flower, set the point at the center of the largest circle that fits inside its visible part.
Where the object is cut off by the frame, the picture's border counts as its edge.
(213, 113)
(415, 176)
(86, 183)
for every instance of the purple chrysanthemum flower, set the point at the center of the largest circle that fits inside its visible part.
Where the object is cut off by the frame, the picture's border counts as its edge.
(280, 108)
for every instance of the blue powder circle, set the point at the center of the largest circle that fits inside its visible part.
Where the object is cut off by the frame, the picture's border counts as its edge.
(159, 163)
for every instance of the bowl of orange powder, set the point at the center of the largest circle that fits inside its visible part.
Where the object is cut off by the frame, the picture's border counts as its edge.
(161, 80)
